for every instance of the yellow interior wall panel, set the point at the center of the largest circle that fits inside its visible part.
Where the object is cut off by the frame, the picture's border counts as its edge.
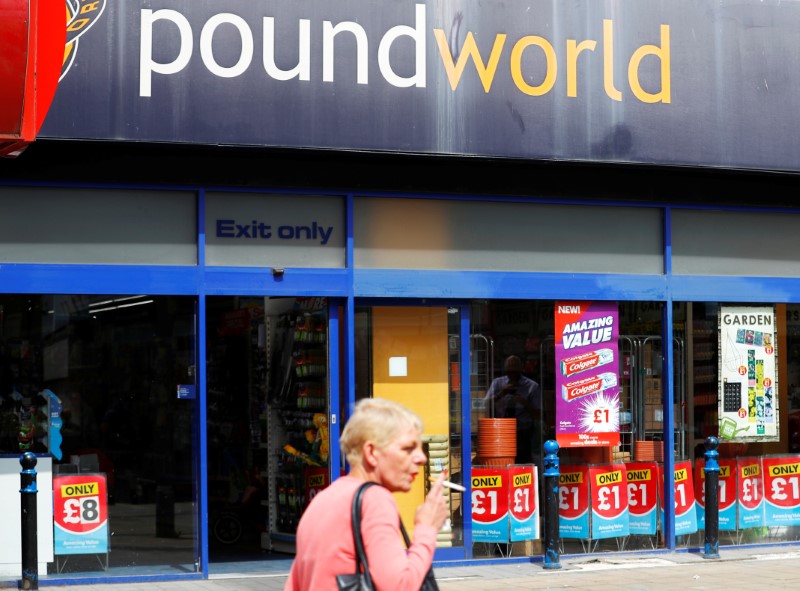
(417, 335)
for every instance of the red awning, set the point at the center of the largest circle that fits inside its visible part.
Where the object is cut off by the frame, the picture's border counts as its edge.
(33, 34)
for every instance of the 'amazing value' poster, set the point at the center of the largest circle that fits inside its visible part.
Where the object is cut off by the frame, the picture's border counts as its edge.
(587, 373)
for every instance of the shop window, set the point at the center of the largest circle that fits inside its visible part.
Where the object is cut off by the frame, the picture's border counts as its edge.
(92, 383)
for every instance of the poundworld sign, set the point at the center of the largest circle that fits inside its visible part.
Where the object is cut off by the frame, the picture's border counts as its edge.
(632, 81)
(469, 54)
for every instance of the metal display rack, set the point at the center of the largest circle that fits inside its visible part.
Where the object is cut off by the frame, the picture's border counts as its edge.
(640, 392)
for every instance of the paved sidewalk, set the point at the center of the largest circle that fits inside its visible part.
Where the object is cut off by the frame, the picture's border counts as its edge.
(740, 569)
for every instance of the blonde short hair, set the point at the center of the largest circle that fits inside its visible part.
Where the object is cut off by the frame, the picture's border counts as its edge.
(377, 420)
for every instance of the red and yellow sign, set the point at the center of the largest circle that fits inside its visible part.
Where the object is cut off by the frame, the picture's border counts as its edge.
(80, 514)
(33, 34)
(782, 490)
(490, 515)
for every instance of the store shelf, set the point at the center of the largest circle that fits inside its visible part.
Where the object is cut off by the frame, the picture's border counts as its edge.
(705, 398)
(297, 420)
(643, 395)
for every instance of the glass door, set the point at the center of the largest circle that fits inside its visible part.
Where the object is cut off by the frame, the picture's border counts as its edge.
(268, 395)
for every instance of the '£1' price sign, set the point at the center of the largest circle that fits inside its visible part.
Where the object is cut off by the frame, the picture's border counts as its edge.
(490, 505)
(750, 483)
(750, 492)
(781, 489)
(573, 501)
(524, 502)
(609, 501)
(782, 481)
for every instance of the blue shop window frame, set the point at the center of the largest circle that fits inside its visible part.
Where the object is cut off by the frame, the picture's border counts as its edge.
(425, 286)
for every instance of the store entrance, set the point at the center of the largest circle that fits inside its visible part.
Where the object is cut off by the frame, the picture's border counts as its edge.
(267, 400)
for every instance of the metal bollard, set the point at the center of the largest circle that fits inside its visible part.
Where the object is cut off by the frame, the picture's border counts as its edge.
(30, 557)
(712, 499)
(551, 526)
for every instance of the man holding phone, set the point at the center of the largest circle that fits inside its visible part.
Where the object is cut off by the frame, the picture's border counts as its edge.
(515, 396)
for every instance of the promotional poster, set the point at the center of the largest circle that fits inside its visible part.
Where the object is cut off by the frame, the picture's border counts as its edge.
(505, 504)
(642, 485)
(523, 506)
(726, 495)
(750, 492)
(685, 510)
(573, 502)
(748, 388)
(609, 501)
(587, 373)
(80, 512)
(781, 490)
(490, 520)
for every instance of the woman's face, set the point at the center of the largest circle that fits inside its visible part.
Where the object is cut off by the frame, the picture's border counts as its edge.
(399, 462)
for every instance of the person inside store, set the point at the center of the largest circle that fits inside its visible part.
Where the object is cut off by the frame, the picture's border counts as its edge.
(513, 395)
(382, 442)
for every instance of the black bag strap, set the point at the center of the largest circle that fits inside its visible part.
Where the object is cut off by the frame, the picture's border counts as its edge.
(405, 535)
(361, 555)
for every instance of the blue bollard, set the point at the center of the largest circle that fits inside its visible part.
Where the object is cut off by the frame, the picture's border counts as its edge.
(712, 499)
(30, 556)
(551, 525)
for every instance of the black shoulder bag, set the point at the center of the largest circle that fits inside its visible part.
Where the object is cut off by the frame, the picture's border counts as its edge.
(361, 580)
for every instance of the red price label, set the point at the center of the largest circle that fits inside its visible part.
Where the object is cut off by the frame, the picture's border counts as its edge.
(80, 502)
(523, 492)
(727, 483)
(610, 497)
(573, 491)
(642, 487)
(489, 494)
(782, 481)
(316, 481)
(751, 482)
(684, 487)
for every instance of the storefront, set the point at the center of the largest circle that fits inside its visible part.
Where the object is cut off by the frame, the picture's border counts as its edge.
(186, 326)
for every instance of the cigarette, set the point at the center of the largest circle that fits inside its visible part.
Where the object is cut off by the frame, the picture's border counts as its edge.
(448, 484)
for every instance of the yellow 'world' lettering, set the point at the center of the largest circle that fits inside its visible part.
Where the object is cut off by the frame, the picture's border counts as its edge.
(574, 48)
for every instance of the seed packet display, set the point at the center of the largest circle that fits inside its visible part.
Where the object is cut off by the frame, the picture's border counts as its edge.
(748, 385)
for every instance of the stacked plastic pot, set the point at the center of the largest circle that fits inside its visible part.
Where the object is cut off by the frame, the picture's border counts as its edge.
(497, 442)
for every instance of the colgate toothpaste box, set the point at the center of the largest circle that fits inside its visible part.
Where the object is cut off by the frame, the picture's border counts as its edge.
(586, 361)
(586, 386)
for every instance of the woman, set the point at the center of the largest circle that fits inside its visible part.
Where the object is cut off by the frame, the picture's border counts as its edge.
(382, 443)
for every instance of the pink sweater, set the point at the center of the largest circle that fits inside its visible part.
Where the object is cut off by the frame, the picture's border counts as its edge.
(325, 542)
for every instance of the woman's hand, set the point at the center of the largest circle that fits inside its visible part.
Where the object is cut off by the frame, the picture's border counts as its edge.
(434, 510)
